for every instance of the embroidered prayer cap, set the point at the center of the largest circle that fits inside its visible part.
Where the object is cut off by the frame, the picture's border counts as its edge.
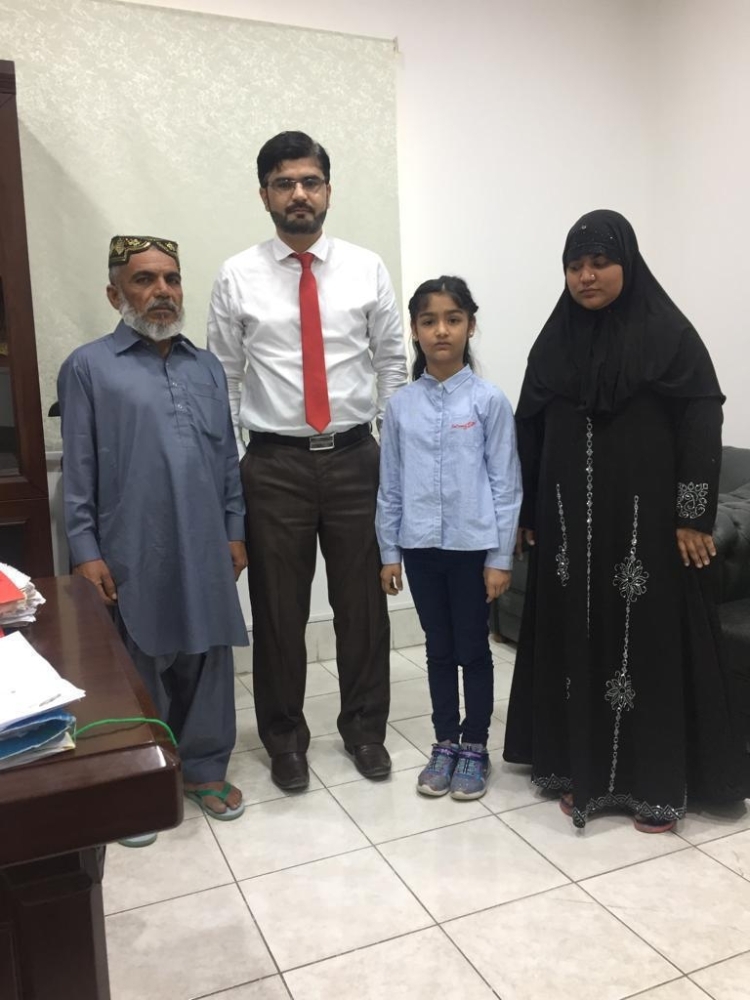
(122, 248)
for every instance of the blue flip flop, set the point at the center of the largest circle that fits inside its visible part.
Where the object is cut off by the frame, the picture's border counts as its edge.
(197, 795)
(139, 840)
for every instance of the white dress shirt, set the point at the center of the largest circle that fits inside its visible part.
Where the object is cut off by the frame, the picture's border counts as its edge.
(254, 330)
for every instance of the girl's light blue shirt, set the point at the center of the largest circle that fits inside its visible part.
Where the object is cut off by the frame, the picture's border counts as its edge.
(449, 471)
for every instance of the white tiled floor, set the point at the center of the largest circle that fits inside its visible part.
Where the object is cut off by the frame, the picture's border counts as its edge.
(355, 890)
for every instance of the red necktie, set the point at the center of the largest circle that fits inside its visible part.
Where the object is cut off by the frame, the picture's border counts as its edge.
(317, 409)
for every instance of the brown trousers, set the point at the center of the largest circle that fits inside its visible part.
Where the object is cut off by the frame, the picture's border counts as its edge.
(294, 498)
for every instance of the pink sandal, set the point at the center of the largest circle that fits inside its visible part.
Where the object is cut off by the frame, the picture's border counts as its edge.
(644, 825)
(566, 803)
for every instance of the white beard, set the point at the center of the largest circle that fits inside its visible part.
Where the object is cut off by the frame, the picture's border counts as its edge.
(153, 331)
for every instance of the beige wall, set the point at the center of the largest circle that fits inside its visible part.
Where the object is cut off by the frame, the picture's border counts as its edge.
(148, 121)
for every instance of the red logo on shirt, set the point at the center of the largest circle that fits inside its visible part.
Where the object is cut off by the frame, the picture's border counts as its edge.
(464, 427)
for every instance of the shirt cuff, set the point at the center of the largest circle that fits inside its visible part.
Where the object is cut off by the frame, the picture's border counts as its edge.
(83, 548)
(495, 559)
(235, 527)
(390, 556)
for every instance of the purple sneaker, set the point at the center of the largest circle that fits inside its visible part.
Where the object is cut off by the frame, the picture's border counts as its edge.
(435, 779)
(469, 779)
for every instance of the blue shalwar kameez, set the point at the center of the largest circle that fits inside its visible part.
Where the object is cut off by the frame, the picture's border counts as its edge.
(151, 486)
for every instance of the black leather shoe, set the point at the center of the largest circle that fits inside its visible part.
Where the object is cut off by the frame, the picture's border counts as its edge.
(289, 771)
(371, 759)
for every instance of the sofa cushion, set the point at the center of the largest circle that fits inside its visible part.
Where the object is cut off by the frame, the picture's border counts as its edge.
(732, 539)
(735, 468)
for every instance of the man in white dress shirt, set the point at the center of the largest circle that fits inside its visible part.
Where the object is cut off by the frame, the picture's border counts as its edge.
(310, 471)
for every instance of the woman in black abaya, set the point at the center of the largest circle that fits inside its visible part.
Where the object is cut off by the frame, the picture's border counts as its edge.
(618, 700)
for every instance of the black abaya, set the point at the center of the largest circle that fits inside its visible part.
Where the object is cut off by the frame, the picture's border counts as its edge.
(617, 695)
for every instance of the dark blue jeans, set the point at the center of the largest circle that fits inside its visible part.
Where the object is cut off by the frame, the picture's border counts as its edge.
(451, 601)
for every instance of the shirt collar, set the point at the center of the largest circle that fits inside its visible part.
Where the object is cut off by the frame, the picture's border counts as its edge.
(125, 337)
(452, 383)
(282, 250)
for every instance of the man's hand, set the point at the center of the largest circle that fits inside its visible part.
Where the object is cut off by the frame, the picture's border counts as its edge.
(390, 578)
(97, 572)
(238, 553)
(524, 535)
(496, 582)
(695, 547)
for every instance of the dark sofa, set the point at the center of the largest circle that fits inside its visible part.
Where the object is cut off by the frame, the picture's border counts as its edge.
(732, 528)
(731, 535)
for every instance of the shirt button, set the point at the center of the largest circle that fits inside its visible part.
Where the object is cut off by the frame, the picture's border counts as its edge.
(179, 406)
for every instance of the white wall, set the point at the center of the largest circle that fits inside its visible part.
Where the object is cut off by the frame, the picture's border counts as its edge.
(700, 155)
(502, 133)
(516, 117)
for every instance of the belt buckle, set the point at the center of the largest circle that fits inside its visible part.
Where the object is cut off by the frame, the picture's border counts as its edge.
(321, 442)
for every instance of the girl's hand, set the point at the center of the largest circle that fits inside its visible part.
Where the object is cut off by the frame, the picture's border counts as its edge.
(695, 547)
(524, 535)
(390, 578)
(496, 582)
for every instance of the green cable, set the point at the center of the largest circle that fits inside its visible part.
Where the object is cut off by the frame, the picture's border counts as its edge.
(137, 718)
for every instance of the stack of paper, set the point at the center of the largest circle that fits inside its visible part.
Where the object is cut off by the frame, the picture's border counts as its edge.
(32, 693)
(19, 598)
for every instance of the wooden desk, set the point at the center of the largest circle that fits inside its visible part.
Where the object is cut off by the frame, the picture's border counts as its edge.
(55, 814)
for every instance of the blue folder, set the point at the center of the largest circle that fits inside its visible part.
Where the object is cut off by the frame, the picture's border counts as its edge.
(41, 733)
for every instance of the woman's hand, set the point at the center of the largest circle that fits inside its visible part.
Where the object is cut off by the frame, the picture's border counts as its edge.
(695, 547)
(526, 535)
(390, 579)
(496, 582)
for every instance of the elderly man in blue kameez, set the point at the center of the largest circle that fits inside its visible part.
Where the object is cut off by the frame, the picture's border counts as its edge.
(153, 508)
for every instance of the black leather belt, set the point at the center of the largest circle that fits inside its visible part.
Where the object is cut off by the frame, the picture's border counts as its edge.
(318, 442)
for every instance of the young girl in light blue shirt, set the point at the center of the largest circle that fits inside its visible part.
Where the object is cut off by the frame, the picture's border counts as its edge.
(450, 493)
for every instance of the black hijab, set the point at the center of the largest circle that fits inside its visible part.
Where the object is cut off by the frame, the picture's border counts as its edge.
(601, 358)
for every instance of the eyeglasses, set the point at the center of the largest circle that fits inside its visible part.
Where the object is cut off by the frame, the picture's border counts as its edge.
(285, 185)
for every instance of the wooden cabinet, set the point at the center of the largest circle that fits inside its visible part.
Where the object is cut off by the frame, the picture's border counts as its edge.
(25, 540)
